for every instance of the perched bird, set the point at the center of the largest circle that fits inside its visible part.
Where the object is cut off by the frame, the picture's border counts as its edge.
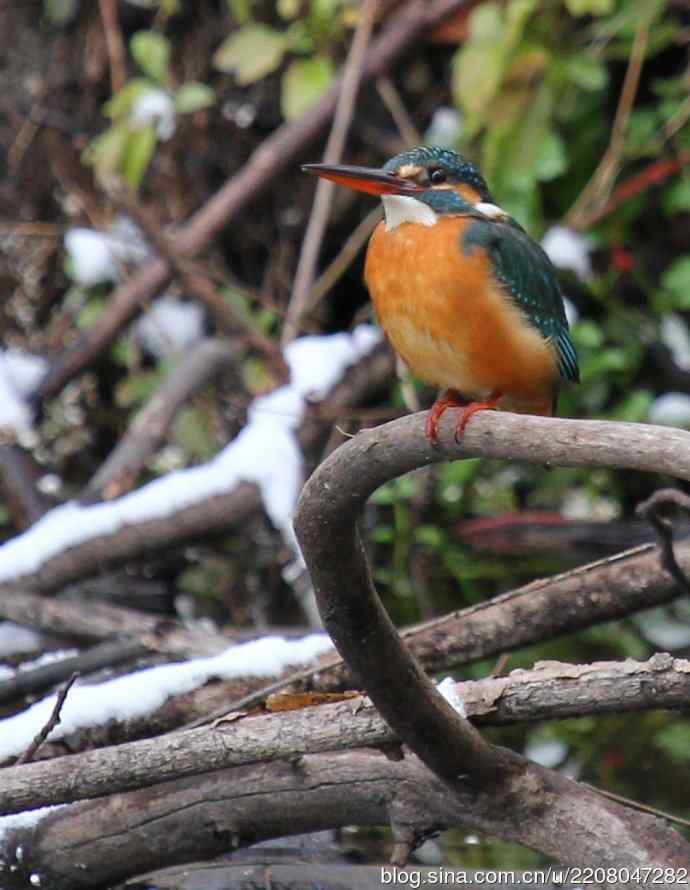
(466, 297)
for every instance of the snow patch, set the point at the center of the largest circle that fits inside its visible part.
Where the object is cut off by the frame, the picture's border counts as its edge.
(140, 693)
(670, 409)
(449, 690)
(170, 326)
(568, 249)
(266, 452)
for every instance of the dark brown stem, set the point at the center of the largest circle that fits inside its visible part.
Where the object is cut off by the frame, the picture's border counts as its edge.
(50, 725)
(653, 510)
(36, 679)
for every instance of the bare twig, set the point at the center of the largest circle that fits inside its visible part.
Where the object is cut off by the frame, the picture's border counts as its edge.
(321, 208)
(654, 174)
(19, 474)
(391, 98)
(39, 678)
(101, 621)
(113, 41)
(595, 194)
(50, 725)
(342, 261)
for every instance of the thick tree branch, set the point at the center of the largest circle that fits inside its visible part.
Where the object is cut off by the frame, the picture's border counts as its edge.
(92, 845)
(103, 621)
(352, 612)
(550, 691)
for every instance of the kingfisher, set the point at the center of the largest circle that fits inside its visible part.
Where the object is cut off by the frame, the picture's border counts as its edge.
(468, 299)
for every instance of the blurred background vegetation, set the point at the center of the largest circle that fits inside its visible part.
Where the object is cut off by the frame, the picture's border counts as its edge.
(577, 112)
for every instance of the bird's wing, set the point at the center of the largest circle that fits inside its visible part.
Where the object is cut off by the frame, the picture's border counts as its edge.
(528, 277)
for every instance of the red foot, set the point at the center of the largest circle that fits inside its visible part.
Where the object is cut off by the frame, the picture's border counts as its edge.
(449, 399)
(471, 409)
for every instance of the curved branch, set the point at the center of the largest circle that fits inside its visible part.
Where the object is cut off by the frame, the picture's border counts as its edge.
(351, 610)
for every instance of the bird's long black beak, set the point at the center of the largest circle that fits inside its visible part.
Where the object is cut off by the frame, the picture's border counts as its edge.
(371, 180)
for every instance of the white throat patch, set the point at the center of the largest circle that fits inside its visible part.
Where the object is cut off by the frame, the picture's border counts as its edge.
(402, 208)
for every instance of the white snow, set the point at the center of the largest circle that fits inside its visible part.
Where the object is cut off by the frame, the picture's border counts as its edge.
(137, 694)
(547, 752)
(266, 452)
(579, 503)
(568, 249)
(449, 690)
(24, 820)
(664, 630)
(91, 258)
(170, 326)
(155, 106)
(674, 335)
(670, 409)
(445, 127)
(96, 257)
(20, 373)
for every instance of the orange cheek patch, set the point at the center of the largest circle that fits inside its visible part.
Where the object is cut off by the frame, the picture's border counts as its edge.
(467, 193)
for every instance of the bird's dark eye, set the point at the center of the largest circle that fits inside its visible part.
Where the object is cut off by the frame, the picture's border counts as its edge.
(437, 176)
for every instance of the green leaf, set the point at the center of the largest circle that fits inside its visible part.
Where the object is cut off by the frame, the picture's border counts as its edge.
(589, 7)
(676, 282)
(674, 740)
(303, 84)
(60, 12)
(586, 72)
(479, 65)
(634, 408)
(138, 153)
(588, 334)
(193, 96)
(105, 152)
(550, 157)
(677, 197)
(151, 52)
(643, 134)
(90, 312)
(240, 10)
(251, 53)
(138, 388)
(121, 103)
(192, 430)
(288, 9)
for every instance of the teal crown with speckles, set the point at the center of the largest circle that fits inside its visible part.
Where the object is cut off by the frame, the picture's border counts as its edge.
(457, 168)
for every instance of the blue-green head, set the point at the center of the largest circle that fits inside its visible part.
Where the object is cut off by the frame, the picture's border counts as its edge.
(437, 176)
(438, 169)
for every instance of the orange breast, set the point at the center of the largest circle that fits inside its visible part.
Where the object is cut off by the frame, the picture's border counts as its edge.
(446, 316)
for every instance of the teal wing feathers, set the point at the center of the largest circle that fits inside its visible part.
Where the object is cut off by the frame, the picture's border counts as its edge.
(528, 278)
